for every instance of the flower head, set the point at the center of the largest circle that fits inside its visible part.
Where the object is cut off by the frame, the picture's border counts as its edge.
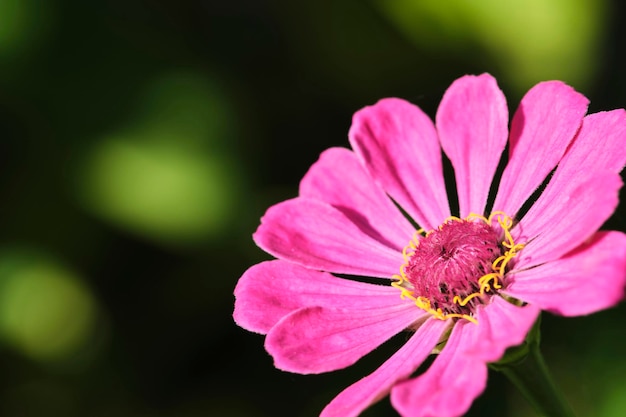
(473, 282)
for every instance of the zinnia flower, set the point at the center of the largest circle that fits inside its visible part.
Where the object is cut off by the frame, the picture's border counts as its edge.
(475, 282)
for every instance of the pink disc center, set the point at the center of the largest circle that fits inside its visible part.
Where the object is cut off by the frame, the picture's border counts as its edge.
(450, 260)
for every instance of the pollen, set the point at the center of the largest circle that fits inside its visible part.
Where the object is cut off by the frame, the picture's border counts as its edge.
(451, 270)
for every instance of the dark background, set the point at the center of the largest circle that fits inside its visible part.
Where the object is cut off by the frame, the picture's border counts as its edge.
(141, 140)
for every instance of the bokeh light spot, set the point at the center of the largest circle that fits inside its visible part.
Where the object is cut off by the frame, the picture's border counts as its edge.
(159, 190)
(531, 40)
(171, 175)
(45, 310)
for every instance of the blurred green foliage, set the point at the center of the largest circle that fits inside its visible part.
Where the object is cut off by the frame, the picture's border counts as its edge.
(528, 40)
(170, 176)
(22, 23)
(142, 140)
(46, 312)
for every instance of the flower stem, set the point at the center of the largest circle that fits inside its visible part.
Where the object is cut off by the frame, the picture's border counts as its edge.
(528, 372)
(532, 378)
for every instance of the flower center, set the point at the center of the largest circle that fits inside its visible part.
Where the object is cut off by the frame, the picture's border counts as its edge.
(449, 271)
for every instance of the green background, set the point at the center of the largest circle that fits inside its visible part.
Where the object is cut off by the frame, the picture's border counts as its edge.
(141, 141)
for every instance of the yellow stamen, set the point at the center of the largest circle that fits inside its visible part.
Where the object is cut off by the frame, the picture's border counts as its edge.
(486, 283)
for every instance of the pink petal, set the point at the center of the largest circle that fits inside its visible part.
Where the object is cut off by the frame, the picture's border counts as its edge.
(398, 145)
(318, 339)
(459, 374)
(449, 386)
(501, 325)
(546, 121)
(339, 179)
(598, 146)
(270, 290)
(588, 279)
(472, 124)
(316, 235)
(357, 397)
(565, 217)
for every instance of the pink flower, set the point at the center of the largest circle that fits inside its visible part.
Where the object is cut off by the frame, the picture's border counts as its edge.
(477, 281)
